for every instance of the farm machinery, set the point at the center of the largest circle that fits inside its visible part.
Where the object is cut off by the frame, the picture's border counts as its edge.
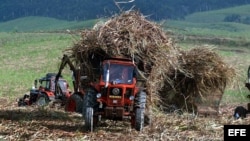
(247, 84)
(115, 95)
(45, 90)
(240, 111)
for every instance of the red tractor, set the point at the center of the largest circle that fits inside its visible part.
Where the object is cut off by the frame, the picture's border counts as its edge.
(46, 90)
(116, 95)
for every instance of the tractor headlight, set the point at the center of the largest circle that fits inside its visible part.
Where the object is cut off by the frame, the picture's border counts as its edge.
(131, 97)
(115, 91)
(98, 95)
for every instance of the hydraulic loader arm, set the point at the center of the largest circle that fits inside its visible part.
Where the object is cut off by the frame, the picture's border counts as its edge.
(65, 61)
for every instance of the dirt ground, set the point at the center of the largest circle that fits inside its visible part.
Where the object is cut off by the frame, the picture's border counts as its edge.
(52, 123)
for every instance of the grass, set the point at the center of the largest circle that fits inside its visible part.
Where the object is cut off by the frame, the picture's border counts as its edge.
(27, 56)
(234, 97)
(236, 31)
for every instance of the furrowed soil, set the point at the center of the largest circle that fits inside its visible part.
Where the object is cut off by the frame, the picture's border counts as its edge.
(53, 123)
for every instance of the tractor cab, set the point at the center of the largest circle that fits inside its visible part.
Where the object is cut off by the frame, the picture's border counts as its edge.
(115, 72)
(118, 85)
(47, 83)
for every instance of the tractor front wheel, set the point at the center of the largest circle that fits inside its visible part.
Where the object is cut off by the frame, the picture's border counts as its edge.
(139, 119)
(89, 119)
(89, 100)
(42, 100)
(140, 104)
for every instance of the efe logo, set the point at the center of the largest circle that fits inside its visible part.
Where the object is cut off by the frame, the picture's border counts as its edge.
(236, 132)
(241, 132)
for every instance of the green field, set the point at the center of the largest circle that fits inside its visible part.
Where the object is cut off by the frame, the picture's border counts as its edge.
(27, 56)
(31, 47)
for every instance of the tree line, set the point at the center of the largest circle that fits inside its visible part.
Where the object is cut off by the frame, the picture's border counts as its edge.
(78, 10)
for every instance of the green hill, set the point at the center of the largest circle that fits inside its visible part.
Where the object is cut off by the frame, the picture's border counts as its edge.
(218, 15)
(34, 24)
(213, 24)
(205, 24)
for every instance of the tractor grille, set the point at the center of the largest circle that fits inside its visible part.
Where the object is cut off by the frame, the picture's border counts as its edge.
(115, 96)
(115, 89)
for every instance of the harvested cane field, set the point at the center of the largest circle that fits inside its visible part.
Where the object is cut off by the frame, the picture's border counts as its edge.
(190, 91)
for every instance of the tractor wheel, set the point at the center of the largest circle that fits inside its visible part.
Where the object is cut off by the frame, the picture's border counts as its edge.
(42, 100)
(74, 103)
(89, 119)
(140, 105)
(139, 119)
(89, 100)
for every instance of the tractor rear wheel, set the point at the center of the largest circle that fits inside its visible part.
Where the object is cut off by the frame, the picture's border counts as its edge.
(89, 119)
(74, 103)
(42, 100)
